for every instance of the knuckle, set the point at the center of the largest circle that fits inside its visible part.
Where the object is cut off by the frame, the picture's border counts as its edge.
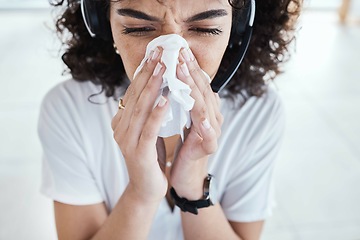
(129, 88)
(211, 148)
(203, 109)
(194, 69)
(218, 100)
(191, 84)
(136, 111)
(220, 118)
(205, 94)
(156, 116)
(127, 149)
(206, 89)
(218, 131)
(146, 69)
(115, 120)
(148, 133)
(130, 92)
(117, 138)
(113, 124)
(150, 86)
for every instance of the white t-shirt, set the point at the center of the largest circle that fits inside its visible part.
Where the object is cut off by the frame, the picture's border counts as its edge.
(82, 164)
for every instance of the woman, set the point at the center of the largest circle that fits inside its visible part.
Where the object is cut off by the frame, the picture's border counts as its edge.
(108, 172)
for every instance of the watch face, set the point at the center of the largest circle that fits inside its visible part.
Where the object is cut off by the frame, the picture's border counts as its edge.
(212, 191)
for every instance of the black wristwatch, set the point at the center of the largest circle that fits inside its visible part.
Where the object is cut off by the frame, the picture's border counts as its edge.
(209, 197)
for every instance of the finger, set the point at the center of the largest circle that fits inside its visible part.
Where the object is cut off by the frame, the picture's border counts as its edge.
(115, 120)
(203, 84)
(214, 111)
(209, 135)
(152, 126)
(206, 139)
(145, 104)
(219, 116)
(201, 80)
(139, 82)
(206, 105)
(143, 75)
(136, 87)
(199, 110)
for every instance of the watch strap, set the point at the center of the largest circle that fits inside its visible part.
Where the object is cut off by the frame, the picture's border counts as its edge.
(189, 206)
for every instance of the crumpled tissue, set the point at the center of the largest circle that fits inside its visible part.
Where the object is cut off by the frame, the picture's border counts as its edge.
(177, 92)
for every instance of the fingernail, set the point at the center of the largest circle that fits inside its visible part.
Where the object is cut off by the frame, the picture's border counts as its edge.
(162, 101)
(157, 69)
(185, 55)
(206, 124)
(155, 54)
(185, 69)
(192, 57)
(150, 56)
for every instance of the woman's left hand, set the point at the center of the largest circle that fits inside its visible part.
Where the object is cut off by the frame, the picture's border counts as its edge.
(190, 166)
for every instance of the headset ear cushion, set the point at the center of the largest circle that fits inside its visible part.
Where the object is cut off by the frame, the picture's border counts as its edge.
(96, 20)
(239, 41)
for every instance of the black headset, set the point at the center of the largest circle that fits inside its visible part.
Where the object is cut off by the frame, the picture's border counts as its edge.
(96, 22)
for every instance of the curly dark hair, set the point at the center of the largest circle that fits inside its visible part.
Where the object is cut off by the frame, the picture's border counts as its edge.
(94, 59)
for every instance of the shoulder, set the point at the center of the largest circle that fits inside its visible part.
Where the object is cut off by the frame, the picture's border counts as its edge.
(253, 123)
(66, 109)
(255, 110)
(71, 91)
(73, 98)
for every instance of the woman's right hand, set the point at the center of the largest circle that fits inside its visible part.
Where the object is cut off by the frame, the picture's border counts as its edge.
(136, 131)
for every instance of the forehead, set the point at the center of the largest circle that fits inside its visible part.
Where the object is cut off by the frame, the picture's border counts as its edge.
(175, 5)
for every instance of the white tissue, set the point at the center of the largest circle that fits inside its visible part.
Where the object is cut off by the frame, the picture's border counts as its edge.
(178, 93)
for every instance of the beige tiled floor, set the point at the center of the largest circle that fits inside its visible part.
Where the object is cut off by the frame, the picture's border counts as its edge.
(319, 166)
(318, 171)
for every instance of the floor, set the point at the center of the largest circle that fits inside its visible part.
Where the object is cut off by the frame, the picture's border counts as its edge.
(318, 170)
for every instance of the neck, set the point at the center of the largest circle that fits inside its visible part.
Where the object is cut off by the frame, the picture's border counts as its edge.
(170, 145)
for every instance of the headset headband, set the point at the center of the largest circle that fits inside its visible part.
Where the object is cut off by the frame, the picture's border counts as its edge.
(85, 15)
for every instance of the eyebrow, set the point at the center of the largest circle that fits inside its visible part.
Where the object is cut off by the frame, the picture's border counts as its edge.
(127, 12)
(207, 15)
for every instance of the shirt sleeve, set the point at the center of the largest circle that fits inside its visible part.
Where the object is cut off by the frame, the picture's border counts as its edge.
(249, 194)
(66, 176)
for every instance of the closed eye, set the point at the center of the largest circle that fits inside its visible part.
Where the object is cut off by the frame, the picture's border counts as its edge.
(206, 31)
(141, 31)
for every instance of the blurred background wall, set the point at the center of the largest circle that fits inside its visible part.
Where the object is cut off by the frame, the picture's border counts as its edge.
(318, 171)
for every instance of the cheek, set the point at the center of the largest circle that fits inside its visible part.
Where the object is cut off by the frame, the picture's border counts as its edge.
(131, 52)
(209, 57)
